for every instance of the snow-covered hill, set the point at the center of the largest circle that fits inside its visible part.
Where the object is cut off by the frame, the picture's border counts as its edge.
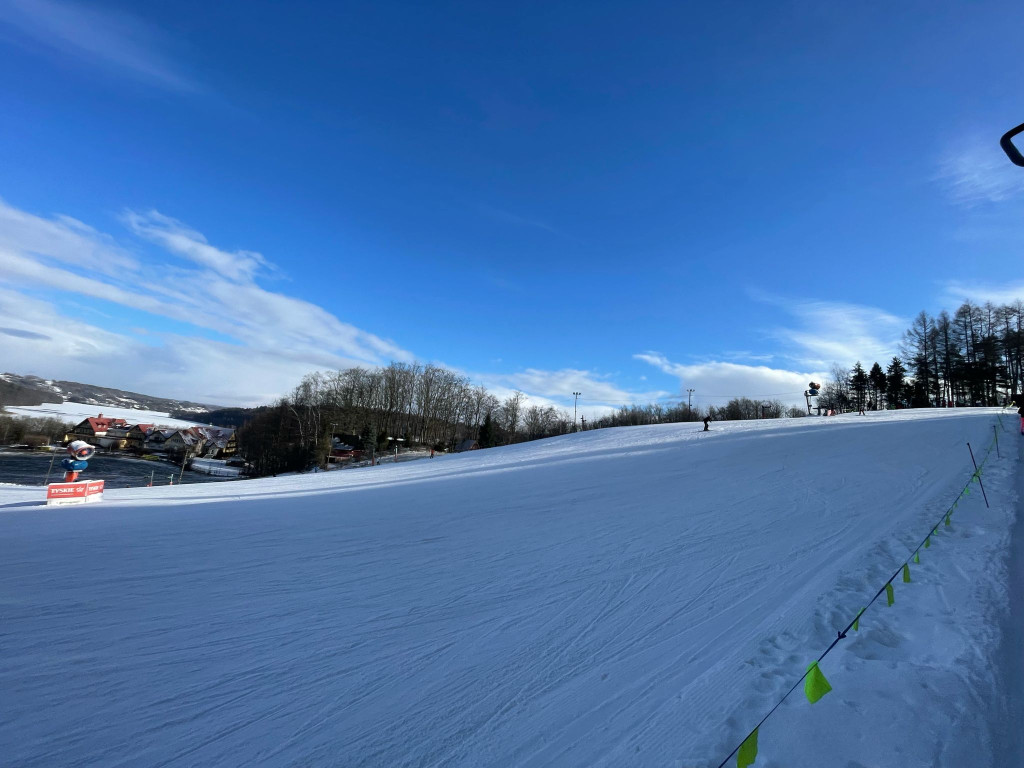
(18, 389)
(75, 412)
(637, 596)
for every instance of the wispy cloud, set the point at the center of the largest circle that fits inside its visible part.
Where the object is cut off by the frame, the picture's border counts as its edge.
(820, 333)
(977, 172)
(957, 292)
(102, 36)
(265, 340)
(180, 239)
(599, 394)
(718, 381)
(62, 238)
(269, 338)
(824, 332)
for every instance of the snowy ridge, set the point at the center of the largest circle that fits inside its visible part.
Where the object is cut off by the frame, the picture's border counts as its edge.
(636, 596)
(72, 411)
(46, 390)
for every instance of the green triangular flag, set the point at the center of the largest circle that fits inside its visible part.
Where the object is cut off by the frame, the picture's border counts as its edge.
(815, 684)
(856, 621)
(917, 556)
(748, 751)
(888, 594)
(906, 573)
(967, 491)
(947, 519)
(927, 542)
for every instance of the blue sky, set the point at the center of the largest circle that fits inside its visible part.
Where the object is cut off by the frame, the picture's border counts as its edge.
(209, 200)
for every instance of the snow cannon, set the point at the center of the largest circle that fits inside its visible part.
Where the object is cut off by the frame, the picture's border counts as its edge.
(73, 490)
(813, 388)
(80, 452)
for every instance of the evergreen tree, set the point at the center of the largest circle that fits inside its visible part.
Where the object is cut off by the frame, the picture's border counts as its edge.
(876, 383)
(895, 376)
(369, 441)
(486, 439)
(859, 385)
(920, 348)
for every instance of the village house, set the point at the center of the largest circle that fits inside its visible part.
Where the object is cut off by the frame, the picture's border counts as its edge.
(118, 435)
(136, 438)
(94, 430)
(343, 448)
(116, 438)
(176, 441)
(219, 442)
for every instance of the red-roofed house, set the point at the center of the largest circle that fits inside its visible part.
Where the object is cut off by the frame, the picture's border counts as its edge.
(94, 429)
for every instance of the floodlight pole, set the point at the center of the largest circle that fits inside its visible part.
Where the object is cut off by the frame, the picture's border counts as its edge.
(689, 394)
(575, 398)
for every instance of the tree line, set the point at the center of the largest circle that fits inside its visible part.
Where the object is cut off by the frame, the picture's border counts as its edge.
(32, 430)
(736, 409)
(423, 405)
(970, 358)
(973, 357)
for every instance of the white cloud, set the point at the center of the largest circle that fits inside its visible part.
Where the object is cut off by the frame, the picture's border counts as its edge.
(172, 235)
(717, 382)
(976, 172)
(823, 333)
(271, 339)
(171, 365)
(102, 36)
(63, 239)
(830, 331)
(599, 396)
(1004, 293)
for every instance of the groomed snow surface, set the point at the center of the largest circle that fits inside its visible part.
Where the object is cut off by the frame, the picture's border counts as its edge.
(625, 597)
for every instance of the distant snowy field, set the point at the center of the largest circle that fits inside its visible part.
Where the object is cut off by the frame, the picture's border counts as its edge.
(76, 412)
(636, 596)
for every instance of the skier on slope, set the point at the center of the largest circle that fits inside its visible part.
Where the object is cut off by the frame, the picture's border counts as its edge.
(707, 420)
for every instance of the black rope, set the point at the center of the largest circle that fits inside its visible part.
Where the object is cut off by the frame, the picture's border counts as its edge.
(843, 633)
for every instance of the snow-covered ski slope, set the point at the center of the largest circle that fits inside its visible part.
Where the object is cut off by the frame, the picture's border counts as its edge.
(636, 596)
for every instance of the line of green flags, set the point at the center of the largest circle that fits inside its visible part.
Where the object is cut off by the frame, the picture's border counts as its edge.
(815, 683)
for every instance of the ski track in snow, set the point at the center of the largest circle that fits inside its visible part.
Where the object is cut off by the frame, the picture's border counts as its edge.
(637, 596)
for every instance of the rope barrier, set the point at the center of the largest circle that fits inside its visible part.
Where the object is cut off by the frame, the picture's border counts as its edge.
(748, 755)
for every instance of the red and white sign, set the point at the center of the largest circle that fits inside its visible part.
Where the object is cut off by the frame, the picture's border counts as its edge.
(82, 492)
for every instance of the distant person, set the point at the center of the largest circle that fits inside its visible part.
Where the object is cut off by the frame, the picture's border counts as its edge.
(707, 421)
(1020, 412)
